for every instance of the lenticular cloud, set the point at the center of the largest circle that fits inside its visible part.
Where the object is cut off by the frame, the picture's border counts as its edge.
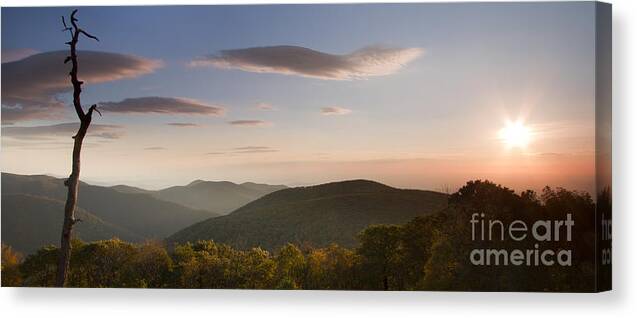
(31, 85)
(295, 60)
(162, 105)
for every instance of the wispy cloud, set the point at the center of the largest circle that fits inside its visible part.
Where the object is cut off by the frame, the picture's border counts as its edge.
(30, 86)
(254, 149)
(11, 55)
(295, 60)
(65, 130)
(154, 148)
(265, 106)
(244, 150)
(162, 105)
(335, 110)
(183, 124)
(250, 123)
(45, 144)
(251, 148)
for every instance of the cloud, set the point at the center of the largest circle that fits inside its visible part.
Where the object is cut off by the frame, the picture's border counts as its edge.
(295, 60)
(154, 148)
(183, 124)
(11, 55)
(244, 150)
(249, 123)
(65, 130)
(162, 105)
(31, 86)
(265, 106)
(251, 148)
(335, 110)
(254, 149)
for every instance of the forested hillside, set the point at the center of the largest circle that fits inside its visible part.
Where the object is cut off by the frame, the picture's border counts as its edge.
(30, 222)
(140, 215)
(316, 215)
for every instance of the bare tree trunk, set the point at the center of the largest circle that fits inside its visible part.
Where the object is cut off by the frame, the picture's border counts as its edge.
(72, 183)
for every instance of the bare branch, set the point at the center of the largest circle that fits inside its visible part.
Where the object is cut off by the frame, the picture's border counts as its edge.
(73, 19)
(91, 109)
(66, 27)
(88, 35)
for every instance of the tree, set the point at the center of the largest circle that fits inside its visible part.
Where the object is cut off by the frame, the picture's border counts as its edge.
(380, 249)
(10, 267)
(290, 267)
(72, 183)
(330, 267)
(39, 269)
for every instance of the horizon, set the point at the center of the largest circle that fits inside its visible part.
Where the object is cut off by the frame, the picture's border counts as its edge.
(379, 94)
(445, 189)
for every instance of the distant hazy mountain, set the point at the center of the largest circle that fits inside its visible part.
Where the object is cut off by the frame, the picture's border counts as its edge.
(30, 222)
(138, 213)
(128, 189)
(220, 197)
(319, 215)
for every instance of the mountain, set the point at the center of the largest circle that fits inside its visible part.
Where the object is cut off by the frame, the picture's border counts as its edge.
(220, 197)
(128, 189)
(138, 213)
(30, 222)
(318, 215)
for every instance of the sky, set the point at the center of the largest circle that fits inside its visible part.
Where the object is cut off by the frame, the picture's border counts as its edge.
(424, 96)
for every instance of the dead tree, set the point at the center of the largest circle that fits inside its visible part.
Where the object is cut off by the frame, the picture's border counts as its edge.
(72, 182)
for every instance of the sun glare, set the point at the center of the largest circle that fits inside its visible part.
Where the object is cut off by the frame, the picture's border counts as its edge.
(515, 134)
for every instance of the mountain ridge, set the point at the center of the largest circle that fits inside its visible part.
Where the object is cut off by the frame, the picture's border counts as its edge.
(219, 197)
(318, 215)
(46, 214)
(138, 213)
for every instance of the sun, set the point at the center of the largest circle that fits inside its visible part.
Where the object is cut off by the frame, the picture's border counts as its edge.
(515, 134)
